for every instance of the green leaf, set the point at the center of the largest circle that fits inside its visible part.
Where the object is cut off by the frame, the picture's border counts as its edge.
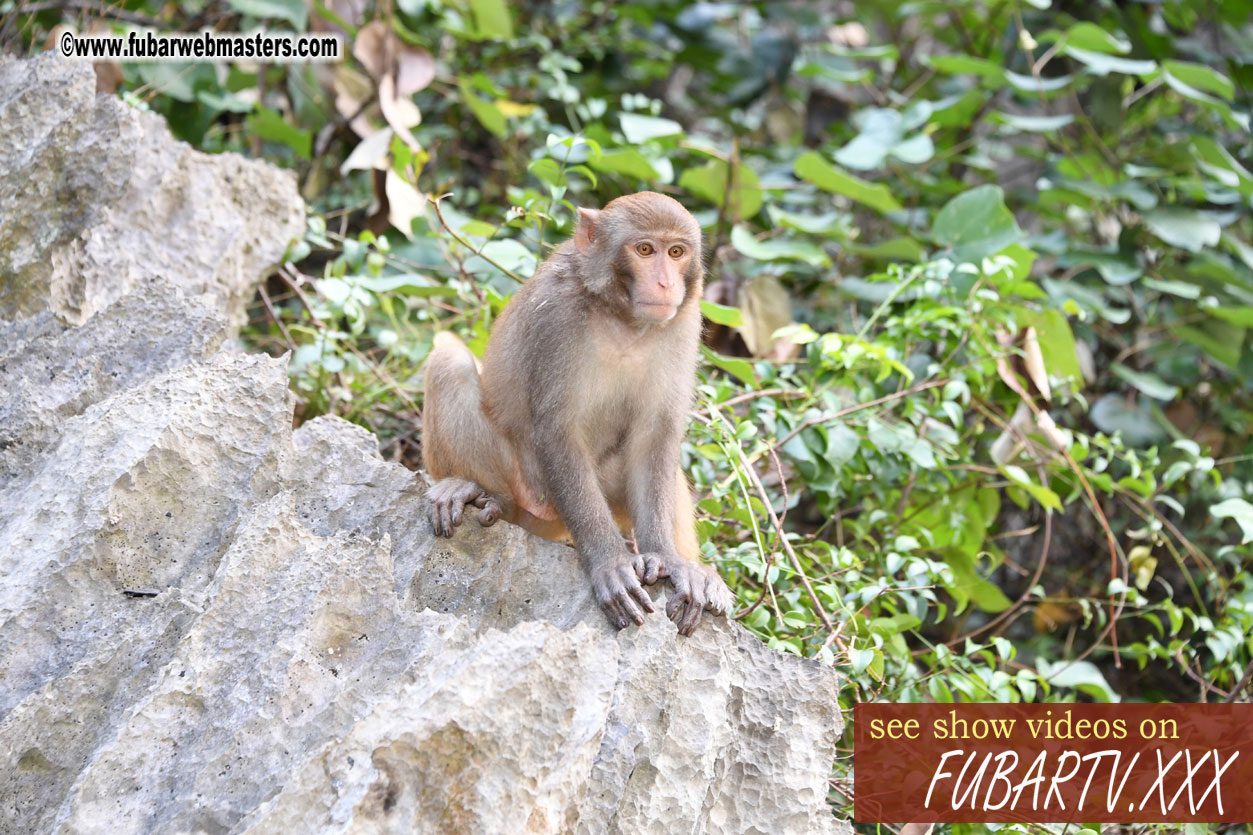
(720, 314)
(842, 445)
(709, 181)
(1180, 289)
(221, 100)
(627, 162)
(1242, 316)
(830, 224)
(860, 658)
(882, 134)
(1221, 340)
(738, 368)
(293, 11)
(1046, 497)
(1137, 424)
(1240, 120)
(893, 249)
(1149, 384)
(1100, 64)
(1218, 162)
(492, 20)
(1034, 86)
(811, 167)
(958, 110)
(1081, 675)
(1185, 228)
(902, 622)
(1115, 269)
(777, 249)
(269, 125)
(987, 70)
(409, 285)
(637, 127)
(1241, 511)
(1201, 77)
(548, 171)
(1093, 38)
(975, 224)
(486, 112)
(967, 585)
(915, 150)
(1034, 124)
(1057, 344)
(988, 597)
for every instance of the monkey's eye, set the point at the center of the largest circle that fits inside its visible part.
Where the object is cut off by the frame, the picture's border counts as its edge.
(676, 251)
(644, 249)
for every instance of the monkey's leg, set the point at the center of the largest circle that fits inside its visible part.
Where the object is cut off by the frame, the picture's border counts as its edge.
(461, 449)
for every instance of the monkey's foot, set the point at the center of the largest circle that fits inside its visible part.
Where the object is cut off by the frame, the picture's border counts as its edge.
(449, 498)
(697, 588)
(616, 584)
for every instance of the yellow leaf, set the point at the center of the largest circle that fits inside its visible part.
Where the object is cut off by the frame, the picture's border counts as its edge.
(513, 108)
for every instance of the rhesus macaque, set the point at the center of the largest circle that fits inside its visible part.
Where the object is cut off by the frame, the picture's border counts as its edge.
(571, 425)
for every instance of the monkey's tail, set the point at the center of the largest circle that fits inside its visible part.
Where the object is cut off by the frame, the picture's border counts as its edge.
(457, 439)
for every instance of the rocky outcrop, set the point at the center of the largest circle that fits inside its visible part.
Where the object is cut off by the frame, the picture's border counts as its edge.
(87, 184)
(211, 623)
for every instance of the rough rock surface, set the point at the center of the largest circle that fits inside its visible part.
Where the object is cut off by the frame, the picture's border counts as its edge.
(89, 184)
(313, 659)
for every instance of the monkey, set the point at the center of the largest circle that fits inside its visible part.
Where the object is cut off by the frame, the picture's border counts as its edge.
(571, 425)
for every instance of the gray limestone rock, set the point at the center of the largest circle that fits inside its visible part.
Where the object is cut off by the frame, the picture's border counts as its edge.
(213, 624)
(96, 196)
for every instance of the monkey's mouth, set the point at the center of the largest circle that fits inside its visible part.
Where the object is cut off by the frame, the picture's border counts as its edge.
(655, 312)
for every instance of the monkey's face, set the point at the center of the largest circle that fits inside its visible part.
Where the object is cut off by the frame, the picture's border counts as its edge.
(659, 268)
(643, 251)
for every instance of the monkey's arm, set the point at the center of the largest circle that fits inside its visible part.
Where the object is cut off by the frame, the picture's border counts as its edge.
(665, 526)
(570, 479)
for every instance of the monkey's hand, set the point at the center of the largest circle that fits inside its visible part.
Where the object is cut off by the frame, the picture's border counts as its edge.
(697, 588)
(449, 498)
(616, 584)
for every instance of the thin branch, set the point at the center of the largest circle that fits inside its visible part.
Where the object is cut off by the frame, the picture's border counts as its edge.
(787, 546)
(269, 308)
(434, 201)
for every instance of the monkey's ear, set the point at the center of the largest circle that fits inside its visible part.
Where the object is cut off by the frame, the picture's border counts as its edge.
(585, 232)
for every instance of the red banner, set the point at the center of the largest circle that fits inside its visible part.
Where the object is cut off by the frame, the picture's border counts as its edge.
(1053, 763)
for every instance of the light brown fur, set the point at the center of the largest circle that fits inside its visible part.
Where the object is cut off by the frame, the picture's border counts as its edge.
(572, 425)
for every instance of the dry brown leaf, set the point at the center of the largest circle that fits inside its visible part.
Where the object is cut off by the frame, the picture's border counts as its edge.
(374, 47)
(352, 90)
(370, 152)
(1087, 363)
(1048, 428)
(849, 34)
(1033, 359)
(1010, 439)
(1006, 340)
(415, 70)
(398, 71)
(404, 203)
(766, 307)
(1049, 616)
(381, 51)
(396, 113)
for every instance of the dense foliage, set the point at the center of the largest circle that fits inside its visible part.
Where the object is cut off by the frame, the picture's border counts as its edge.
(976, 409)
